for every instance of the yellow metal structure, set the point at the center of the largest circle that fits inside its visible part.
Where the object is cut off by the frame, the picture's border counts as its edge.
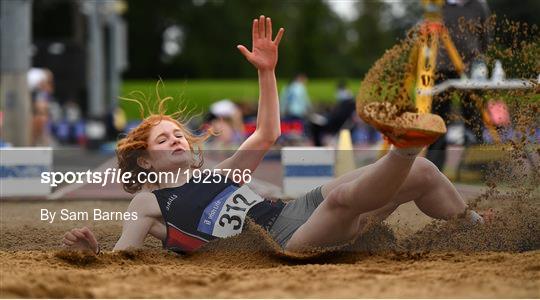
(431, 32)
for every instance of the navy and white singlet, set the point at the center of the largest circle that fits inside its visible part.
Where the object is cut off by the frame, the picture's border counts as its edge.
(196, 213)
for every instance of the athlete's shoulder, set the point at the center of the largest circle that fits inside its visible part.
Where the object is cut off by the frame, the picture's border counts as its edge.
(144, 203)
(143, 195)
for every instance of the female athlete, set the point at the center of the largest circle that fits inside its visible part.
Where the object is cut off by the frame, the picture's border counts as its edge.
(185, 214)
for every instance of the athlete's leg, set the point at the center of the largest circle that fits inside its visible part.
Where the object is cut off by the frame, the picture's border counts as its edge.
(336, 219)
(440, 199)
(431, 190)
(332, 223)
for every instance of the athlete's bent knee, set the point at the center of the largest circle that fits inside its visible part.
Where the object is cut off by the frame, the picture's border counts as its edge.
(336, 198)
(425, 171)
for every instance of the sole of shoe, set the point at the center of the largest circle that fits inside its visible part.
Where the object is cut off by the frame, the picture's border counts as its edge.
(405, 129)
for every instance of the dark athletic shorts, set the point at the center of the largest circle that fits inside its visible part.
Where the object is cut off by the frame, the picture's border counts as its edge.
(294, 214)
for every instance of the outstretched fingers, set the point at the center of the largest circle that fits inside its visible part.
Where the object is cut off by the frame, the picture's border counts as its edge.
(269, 28)
(278, 36)
(255, 30)
(244, 50)
(262, 27)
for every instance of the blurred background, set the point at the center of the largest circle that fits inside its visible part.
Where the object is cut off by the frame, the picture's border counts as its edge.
(66, 62)
(66, 65)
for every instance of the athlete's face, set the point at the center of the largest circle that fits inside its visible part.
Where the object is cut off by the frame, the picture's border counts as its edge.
(168, 148)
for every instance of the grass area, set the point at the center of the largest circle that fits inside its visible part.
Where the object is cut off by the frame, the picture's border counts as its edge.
(200, 94)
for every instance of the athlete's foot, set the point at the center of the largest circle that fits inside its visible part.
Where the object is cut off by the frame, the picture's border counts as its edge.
(404, 130)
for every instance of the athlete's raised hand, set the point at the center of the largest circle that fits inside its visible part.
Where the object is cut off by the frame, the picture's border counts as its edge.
(81, 239)
(264, 52)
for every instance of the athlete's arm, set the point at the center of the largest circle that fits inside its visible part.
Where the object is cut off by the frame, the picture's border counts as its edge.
(264, 57)
(133, 231)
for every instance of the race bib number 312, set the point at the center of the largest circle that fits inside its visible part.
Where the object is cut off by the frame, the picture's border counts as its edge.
(226, 214)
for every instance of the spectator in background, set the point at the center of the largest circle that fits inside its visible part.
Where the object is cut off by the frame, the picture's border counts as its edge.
(294, 100)
(337, 117)
(41, 84)
(458, 16)
(226, 118)
(343, 93)
(3, 143)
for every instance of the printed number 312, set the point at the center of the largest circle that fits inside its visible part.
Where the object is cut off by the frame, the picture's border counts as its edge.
(231, 219)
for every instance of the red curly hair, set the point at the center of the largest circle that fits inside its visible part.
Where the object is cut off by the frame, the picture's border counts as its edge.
(135, 143)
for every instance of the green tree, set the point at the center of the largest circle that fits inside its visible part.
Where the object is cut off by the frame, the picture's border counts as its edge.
(313, 42)
(371, 38)
(523, 10)
(315, 39)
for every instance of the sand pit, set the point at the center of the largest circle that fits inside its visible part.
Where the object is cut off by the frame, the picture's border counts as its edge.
(410, 257)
